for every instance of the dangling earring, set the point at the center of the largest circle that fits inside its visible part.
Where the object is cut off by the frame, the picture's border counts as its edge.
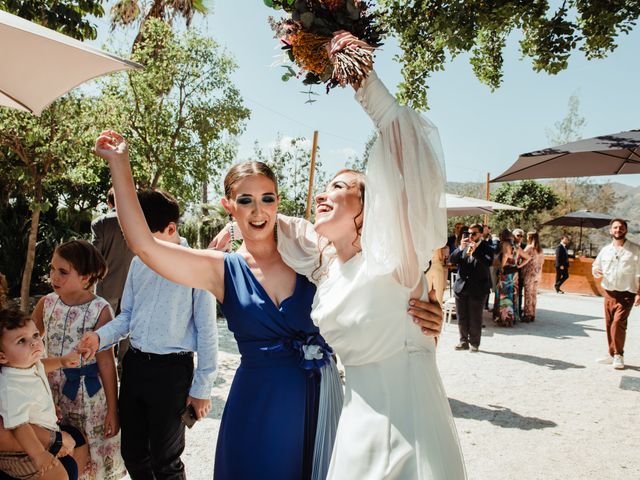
(231, 232)
(275, 230)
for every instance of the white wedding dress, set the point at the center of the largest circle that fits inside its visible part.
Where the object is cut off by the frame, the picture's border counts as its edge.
(396, 422)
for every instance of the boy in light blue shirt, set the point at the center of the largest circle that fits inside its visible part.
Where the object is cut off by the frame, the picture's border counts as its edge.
(166, 323)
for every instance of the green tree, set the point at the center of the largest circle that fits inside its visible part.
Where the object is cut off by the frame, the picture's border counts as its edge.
(430, 32)
(180, 113)
(569, 129)
(532, 196)
(65, 16)
(34, 152)
(126, 12)
(291, 161)
(40, 151)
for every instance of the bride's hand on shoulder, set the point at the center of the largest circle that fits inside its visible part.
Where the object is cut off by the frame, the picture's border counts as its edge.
(111, 146)
(223, 241)
(427, 315)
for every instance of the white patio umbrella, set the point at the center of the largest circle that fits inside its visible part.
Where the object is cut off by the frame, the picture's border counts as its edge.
(39, 65)
(460, 205)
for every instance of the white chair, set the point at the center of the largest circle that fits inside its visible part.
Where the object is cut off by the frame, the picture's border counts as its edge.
(449, 308)
(453, 276)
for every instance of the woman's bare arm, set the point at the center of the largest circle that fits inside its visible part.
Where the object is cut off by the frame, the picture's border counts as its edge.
(195, 268)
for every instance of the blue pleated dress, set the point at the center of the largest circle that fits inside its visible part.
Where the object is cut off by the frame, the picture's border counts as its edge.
(269, 422)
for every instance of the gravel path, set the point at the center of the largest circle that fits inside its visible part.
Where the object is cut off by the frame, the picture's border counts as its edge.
(531, 405)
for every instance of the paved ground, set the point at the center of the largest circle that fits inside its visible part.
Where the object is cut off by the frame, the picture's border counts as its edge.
(531, 405)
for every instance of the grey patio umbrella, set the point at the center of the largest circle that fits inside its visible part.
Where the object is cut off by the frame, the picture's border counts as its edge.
(582, 218)
(614, 154)
(38, 65)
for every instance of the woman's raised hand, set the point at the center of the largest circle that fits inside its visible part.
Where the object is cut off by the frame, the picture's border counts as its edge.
(223, 240)
(110, 145)
(342, 39)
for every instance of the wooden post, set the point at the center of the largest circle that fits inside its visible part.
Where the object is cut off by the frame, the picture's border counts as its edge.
(485, 220)
(312, 171)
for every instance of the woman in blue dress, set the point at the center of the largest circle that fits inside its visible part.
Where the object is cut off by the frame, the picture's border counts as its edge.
(278, 423)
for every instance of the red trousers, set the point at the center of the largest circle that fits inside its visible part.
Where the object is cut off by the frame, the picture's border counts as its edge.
(617, 307)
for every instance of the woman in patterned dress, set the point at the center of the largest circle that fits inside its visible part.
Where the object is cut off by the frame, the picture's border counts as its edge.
(505, 310)
(532, 270)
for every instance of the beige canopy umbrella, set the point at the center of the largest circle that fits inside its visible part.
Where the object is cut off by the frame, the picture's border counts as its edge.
(460, 205)
(38, 65)
(614, 154)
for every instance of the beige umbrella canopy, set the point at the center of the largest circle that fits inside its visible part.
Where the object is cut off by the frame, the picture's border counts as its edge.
(614, 154)
(38, 65)
(459, 205)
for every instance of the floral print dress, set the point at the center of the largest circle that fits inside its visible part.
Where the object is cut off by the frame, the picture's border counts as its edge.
(532, 272)
(65, 325)
(505, 310)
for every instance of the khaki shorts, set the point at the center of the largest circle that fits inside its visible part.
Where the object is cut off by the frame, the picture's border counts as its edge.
(18, 465)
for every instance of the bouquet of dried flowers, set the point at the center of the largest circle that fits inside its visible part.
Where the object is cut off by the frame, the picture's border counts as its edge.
(332, 41)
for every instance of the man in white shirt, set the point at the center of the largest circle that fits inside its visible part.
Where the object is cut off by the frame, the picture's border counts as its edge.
(618, 264)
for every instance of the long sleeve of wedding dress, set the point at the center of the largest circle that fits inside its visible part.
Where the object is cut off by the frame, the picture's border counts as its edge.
(405, 212)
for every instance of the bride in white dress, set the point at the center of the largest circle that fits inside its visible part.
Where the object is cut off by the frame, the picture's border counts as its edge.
(396, 422)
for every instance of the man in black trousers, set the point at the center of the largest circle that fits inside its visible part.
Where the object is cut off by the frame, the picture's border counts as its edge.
(474, 257)
(562, 263)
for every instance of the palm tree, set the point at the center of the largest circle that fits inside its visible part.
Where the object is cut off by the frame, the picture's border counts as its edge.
(126, 12)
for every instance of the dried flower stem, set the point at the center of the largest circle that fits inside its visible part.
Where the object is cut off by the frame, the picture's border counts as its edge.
(352, 65)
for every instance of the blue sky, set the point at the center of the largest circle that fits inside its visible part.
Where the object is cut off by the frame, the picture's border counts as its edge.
(481, 131)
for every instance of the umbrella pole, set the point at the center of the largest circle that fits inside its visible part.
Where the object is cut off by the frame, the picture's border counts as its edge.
(580, 241)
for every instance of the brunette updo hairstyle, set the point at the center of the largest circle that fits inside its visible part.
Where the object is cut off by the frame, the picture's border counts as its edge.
(244, 170)
(85, 258)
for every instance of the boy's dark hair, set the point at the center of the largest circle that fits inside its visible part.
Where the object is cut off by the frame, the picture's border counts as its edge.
(159, 208)
(10, 319)
(85, 258)
(111, 197)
